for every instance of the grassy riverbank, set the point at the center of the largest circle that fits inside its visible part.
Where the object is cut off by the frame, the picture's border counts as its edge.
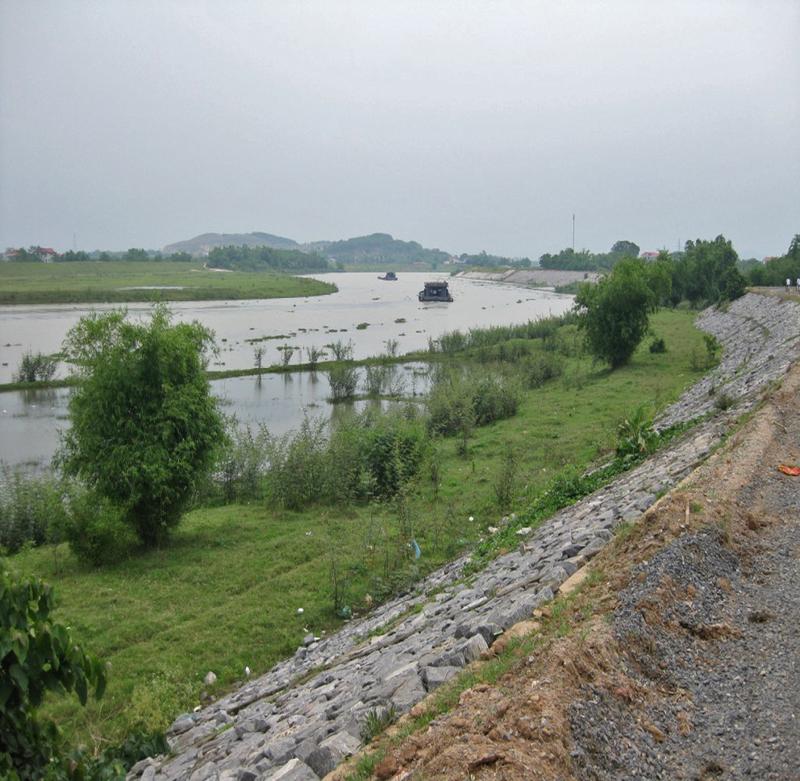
(123, 281)
(225, 593)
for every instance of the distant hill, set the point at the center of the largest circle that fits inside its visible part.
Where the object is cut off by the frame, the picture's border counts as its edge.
(205, 242)
(381, 248)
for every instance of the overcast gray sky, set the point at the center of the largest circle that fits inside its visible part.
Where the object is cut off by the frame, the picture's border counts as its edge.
(463, 125)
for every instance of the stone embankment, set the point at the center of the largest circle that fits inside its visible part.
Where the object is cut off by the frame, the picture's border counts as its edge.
(536, 277)
(298, 721)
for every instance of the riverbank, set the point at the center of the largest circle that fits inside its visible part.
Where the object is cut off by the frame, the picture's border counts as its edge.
(225, 593)
(414, 644)
(123, 281)
(672, 655)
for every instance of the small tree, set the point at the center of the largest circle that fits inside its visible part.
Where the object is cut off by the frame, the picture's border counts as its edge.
(614, 313)
(144, 422)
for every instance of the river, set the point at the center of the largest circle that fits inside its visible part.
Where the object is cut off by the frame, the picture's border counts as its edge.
(30, 420)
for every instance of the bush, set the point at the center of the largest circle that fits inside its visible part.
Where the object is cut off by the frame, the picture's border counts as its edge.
(636, 436)
(392, 451)
(36, 368)
(96, 530)
(38, 655)
(343, 381)
(658, 346)
(494, 398)
(29, 504)
(241, 464)
(376, 377)
(296, 473)
(541, 368)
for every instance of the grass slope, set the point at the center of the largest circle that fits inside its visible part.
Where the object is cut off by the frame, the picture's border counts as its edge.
(94, 282)
(225, 593)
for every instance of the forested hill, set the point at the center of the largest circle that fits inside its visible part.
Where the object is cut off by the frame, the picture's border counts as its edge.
(205, 242)
(242, 258)
(382, 248)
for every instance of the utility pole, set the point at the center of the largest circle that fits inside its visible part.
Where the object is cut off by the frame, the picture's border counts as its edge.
(573, 232)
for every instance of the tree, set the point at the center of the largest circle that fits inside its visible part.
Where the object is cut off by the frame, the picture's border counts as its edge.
(707, 272)
(614, 313)
(144, 423)
(624, 247)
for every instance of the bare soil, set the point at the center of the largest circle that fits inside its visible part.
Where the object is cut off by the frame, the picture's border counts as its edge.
(677, 659)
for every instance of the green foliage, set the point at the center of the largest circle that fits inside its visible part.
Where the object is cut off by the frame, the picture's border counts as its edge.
(96, 530)
(615, 312)
(343, 381)
(541, 368)
(776, 271)
(376, 721)
(707, 273)
(376, 378)
(636, 437)
(144, 423)
(240, 465)
(29, 506)
(245, 258)
(341, 350)
(36, 368)
(506, 480)
(657, 345)
(381, 248)
(38, 656)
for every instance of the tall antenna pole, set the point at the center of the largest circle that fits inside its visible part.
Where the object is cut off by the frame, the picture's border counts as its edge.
(573, 231)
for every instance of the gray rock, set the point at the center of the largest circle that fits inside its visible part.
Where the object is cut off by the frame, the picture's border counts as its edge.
(280, 750)
(474, 647)
(434, 677)
(181, 724)
(294, 770)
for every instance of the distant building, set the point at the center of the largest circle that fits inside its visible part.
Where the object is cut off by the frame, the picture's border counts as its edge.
(45, 254)
(649, 256)
(771, 257)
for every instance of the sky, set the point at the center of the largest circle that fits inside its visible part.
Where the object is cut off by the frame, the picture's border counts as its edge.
(466, 126)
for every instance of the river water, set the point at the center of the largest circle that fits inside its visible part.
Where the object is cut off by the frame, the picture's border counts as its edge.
(30, 420)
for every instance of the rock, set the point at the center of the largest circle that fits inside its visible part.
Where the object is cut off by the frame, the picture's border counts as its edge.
(524, 531)
(474, 647)
(434, 677)
(210, 678)
(331, 752)
(280, 750)
(573, 581)
(294, 770)
(410, 693)
(308, 640)
(181, 724)
(149, 773)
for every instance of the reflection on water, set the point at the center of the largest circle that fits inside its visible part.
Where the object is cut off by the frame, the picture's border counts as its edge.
(29, 420)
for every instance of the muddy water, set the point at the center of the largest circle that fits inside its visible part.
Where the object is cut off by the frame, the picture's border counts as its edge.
(29, 421)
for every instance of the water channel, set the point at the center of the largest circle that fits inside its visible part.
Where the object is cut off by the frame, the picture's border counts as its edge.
(30, 420)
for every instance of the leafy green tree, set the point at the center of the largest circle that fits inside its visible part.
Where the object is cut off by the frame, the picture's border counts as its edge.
(708, 273)
(624, 247)
(614, 313)
(38, 656)
(144, 422)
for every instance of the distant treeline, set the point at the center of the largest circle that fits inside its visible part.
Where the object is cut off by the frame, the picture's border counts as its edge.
(584, 260)
(492, 261)
(777, 270)
(265, 259)
(37, 255)
(382, 248)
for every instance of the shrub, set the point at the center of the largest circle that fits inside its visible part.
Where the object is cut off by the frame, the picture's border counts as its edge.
(241, 464)
(96, 530)
(636, 436)
(506, 479)
(343, 381)
(29, 504)
(392, 452)
(36, 368)
(494, 398)
(342, 351)
(38, 655)
(376, 377)
(296, 471)
(314, 354)
(541, 368)
(658, 345)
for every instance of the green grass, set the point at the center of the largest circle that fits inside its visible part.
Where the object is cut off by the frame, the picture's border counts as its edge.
(92, 282)
(224, 594)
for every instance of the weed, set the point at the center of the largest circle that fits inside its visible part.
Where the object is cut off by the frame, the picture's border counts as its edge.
(376, 721)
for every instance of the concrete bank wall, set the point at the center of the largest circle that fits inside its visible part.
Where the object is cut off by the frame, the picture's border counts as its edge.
(274, 728)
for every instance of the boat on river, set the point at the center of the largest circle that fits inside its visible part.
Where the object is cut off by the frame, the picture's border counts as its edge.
(389, 276)
(435, 291)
